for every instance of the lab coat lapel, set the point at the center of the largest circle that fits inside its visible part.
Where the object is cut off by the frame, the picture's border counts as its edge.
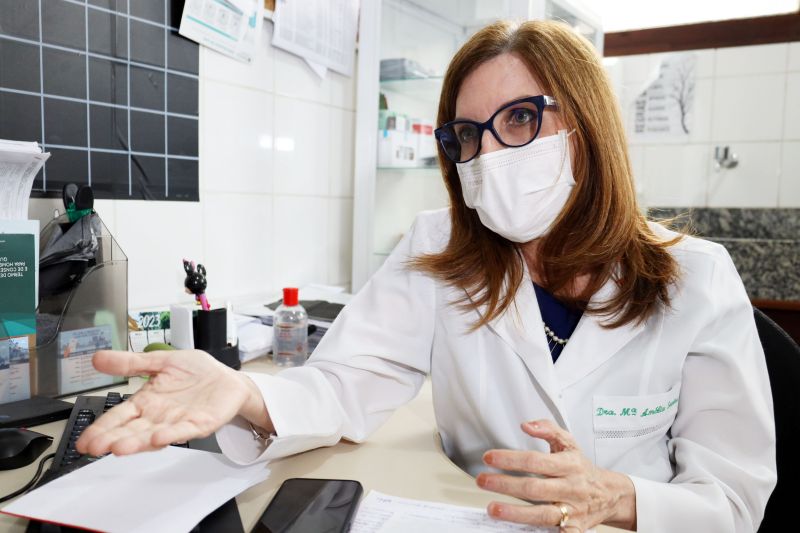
(520, 326)
(591, 345)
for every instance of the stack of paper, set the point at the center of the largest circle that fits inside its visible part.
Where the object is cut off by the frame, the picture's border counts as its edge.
(19, 164)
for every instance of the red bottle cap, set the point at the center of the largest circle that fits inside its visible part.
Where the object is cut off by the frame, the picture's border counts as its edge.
(290, 296)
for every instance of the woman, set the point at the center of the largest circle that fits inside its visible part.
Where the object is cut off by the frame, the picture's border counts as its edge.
(613, 363)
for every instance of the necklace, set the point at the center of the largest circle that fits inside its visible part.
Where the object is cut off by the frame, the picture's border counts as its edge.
(552, 334)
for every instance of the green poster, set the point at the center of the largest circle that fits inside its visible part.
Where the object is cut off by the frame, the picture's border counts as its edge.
(17, 284)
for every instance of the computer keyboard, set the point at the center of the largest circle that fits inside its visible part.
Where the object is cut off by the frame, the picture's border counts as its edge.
(87, 409)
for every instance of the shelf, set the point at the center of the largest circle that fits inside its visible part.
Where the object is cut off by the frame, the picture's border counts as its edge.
(403, 169)
(427, 89)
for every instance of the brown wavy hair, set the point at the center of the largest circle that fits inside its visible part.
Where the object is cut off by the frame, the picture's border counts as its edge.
(600, 232)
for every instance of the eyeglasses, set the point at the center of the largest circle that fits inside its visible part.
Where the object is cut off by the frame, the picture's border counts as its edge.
(515, 124)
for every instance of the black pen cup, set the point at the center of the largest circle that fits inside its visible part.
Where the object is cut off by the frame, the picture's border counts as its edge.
(211, 335)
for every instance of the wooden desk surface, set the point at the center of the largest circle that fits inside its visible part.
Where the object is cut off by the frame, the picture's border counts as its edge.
(402, 458)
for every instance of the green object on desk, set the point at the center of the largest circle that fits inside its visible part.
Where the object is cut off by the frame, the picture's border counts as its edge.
(157, 346)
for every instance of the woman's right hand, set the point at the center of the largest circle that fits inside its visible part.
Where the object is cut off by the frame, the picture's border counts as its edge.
(189, 395)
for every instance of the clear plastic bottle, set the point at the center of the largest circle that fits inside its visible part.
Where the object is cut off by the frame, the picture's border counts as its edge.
(290, 328)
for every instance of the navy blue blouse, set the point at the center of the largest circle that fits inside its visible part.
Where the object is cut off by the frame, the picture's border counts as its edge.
(558, 317)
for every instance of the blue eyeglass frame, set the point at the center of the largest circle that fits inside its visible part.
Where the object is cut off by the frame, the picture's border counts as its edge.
(541, 102)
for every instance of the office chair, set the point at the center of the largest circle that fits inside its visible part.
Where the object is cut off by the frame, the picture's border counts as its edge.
(783, 365)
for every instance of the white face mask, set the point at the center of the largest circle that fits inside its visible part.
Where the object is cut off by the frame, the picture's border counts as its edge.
(519, 192)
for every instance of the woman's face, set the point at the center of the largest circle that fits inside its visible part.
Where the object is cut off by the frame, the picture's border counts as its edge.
(497, 82)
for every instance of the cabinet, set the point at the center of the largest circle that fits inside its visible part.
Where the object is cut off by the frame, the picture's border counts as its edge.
(404, 49)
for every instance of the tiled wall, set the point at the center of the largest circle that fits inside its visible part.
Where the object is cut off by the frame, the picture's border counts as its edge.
(276, 186)
(747, 98)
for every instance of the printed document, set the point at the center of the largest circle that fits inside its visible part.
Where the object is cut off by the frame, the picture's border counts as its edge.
(19, 164)
(231, 27)
(381, 513)
(323, 32)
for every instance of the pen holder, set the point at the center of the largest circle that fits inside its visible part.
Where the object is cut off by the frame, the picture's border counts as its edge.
(211, 335)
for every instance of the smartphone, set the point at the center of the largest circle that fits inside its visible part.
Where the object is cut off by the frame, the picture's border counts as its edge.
(305, 505)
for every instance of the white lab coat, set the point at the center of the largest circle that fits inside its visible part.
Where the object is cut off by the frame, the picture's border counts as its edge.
(681, 404)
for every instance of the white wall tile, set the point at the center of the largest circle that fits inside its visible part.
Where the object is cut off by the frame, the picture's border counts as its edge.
(238, 244)
(258, 74)
(791, 120)
(107, 212)
(342, 152)
(339, 254)
(759, 59)
(789, 192)
(294, 78)
(156, 236)
(342, 90)
(299, 254)
(237, 139)
(753, 183)
(794, 56)
(636, 156)
(700, 114)
(303, 144)
(676, 175)
(748, 108)
(705, 63)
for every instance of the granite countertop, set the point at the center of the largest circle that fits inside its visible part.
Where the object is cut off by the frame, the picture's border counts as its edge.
(764, 244)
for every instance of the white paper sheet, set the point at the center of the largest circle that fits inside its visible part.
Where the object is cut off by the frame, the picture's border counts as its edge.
(322, 32)
(231, 27)
(170, 490)
(381, 513)
(19, 164)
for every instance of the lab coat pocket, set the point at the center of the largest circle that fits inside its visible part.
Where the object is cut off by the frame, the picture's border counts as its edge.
(630, 431)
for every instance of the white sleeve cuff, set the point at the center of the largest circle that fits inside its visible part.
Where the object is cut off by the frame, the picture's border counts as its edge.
(304, 410)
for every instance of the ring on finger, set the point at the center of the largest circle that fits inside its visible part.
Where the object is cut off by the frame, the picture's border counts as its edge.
(564, 514)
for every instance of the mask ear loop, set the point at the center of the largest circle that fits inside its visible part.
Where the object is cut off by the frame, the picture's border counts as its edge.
(564, 151)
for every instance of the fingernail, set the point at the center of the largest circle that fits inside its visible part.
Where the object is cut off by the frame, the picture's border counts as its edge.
(532, 425)
(496, 510)
(488, 458)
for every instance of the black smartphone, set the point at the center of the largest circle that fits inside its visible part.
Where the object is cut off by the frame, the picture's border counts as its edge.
(305, 505)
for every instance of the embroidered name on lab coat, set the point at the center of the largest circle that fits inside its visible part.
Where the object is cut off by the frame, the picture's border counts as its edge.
(631, 411)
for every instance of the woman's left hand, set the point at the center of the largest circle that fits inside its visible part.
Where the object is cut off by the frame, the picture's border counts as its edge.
(581, 493)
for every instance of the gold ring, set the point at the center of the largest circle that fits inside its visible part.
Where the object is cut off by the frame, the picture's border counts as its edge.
(564, 515)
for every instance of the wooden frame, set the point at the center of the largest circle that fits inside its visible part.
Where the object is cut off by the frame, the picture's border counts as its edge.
(720, 34)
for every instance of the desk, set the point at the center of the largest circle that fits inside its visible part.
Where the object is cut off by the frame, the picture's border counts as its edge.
(402, 458)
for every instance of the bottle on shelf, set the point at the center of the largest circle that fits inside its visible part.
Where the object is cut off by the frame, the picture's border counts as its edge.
(290, 331)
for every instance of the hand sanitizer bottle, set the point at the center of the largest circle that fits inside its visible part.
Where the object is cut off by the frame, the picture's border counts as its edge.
(290, 329)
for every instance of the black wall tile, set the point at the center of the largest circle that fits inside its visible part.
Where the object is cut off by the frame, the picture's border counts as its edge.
(148, 178)
(108, 34)
(67, 166)
(108, 127)
(109, 175)
(120, 6)
(64, 23)
(19, 65)
(147, 132)
(147, 43)
(182, 95)
(64, 73)
(183, 181)
(20, 117)
(147, 88)
(64, 123)
(108, 81)
(20, 18)
(182, 136)
(148, 9)
(183, 53)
